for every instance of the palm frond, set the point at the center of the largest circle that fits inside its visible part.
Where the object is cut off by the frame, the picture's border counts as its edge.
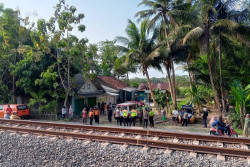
(193, 34)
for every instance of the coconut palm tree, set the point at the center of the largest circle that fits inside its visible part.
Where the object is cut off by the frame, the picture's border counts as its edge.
(209, 24)
(170, 13)
(141, 48)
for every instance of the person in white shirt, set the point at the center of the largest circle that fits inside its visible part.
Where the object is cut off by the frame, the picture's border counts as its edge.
(175, 116)
(64, 111)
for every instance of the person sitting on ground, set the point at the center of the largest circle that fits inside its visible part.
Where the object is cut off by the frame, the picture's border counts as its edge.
(175, 116)
(14, 116)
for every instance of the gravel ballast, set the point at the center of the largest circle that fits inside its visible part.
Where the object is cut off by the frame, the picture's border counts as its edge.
(31, 150)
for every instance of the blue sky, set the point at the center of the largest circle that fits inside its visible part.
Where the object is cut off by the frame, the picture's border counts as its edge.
(104, 19)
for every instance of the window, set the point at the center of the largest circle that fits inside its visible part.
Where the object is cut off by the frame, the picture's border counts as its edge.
(88, 86)
(83, 86)
(23, 107)
(1, 107)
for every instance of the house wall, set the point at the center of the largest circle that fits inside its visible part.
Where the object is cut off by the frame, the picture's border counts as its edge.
(88, 87)
(111, 99)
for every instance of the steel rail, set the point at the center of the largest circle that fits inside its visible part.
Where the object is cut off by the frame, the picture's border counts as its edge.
(158, 133)
(138, 142)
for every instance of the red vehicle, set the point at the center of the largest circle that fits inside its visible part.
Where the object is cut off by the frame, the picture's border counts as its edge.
(232, 132)
(22, 110)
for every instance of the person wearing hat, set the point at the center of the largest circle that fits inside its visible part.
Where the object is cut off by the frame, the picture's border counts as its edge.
(205, 114)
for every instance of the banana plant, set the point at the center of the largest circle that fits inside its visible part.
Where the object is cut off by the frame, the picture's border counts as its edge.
(241, 97)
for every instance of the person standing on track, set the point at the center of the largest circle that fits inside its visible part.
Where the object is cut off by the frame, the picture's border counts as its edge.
(91, 116)
(133, 116)
(151, 118)
(84, 116)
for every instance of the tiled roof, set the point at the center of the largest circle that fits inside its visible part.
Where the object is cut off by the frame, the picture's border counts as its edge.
(112, 82)
(161, 86)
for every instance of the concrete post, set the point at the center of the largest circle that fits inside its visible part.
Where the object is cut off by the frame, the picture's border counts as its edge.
(246, 127)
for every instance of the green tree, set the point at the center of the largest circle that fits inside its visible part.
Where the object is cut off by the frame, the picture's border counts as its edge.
(242, 98)
(37, 98)
(203, 33)
(141, 48)
(170, 13)
(68, 47)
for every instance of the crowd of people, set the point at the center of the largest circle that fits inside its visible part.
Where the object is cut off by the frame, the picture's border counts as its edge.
(144, 115)
(181, 116)
(121, 115)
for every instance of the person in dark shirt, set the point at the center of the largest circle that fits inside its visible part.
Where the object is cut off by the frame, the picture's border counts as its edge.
(110, 114)
(205, 114)
(222, 126)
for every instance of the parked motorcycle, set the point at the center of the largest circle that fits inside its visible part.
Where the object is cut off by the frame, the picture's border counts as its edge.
(213, 131)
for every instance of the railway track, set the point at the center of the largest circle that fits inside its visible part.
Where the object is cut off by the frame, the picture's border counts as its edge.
(34, 127)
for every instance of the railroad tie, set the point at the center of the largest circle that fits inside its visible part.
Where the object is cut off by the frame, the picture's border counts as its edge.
(106, 144)
(145, 149)
(175, 140)
(220, 144)
(106, 133)
(76, 131)
(138, 136)
(124, 147)
(168, 151)
(193, 154)
(90, 132)
(196, 142)
(244, 146)
(53, 138)
(221, 157)
(156, 138)
(86, 142)
(69, 140)
(122, 135)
